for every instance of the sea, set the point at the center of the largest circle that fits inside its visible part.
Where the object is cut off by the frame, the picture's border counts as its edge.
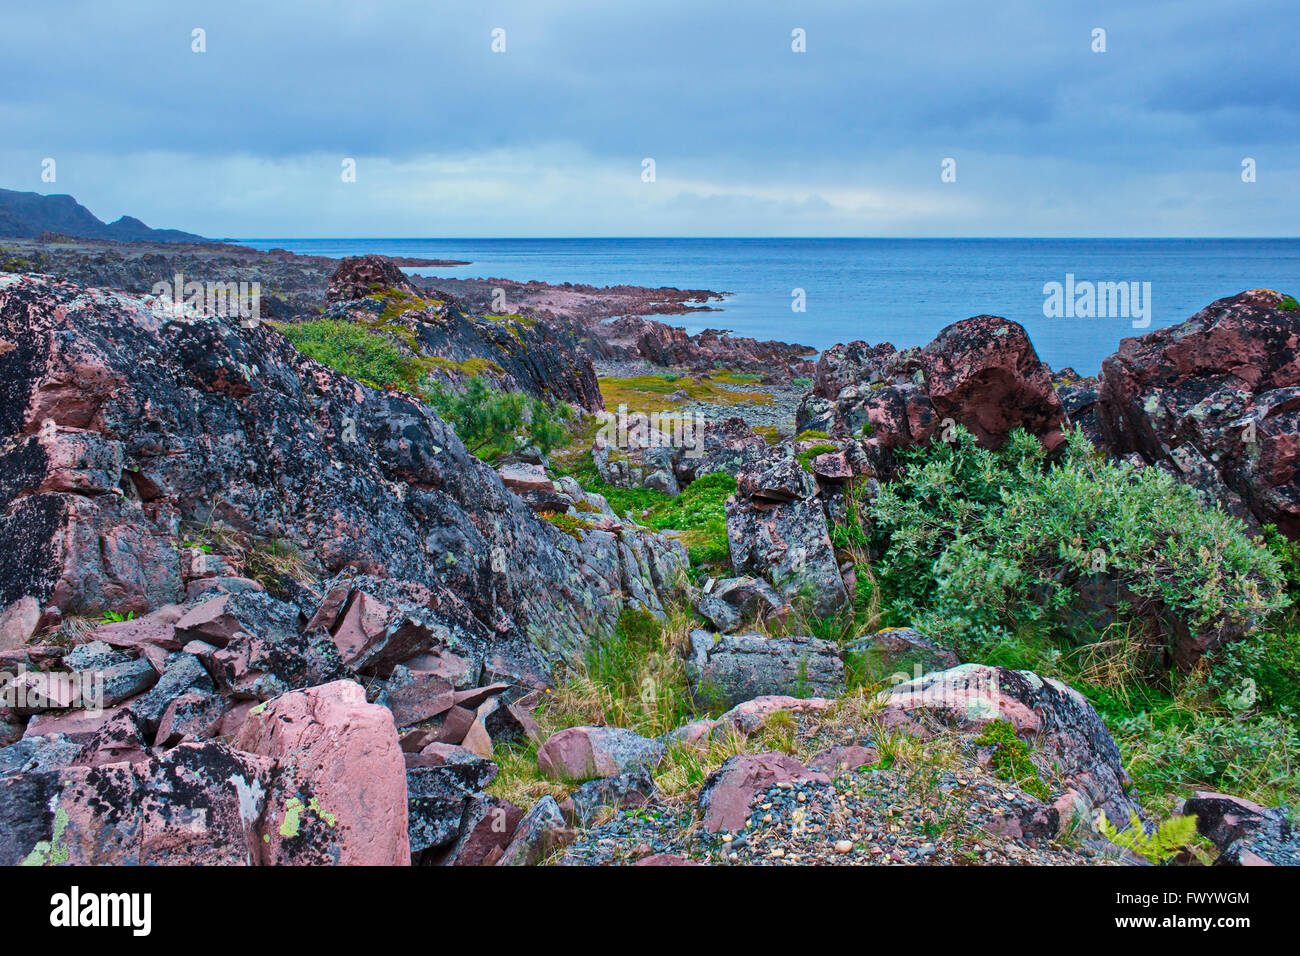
(1077, 298)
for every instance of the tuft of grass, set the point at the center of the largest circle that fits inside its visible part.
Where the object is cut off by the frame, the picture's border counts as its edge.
(1010, 759)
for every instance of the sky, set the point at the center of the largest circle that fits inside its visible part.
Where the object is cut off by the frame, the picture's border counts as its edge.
(549, 136)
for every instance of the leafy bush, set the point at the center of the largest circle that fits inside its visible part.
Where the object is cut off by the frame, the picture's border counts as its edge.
(975, 544)
(1179, 750)
(1288, 556)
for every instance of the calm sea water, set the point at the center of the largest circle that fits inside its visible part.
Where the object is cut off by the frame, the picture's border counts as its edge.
(881, 290)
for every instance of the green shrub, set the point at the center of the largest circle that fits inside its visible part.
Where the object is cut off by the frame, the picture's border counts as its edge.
(1175, 751)
(495, 421)
(974, 544)
(1287, 553)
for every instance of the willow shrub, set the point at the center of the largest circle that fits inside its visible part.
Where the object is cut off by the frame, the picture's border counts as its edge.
(974, 545)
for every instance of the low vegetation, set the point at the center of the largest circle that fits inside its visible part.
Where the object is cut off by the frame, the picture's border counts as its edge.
(646, 394)
(490, 422)
(993, 553)
(975, 545)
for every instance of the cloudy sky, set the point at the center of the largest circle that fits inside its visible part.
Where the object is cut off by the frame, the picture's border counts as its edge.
(748, 137)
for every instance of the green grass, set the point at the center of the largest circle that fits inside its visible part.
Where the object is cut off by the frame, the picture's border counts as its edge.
(356, 350)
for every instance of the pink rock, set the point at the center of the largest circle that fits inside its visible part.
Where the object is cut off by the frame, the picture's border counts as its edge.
(748, 717)
(522, 478)
(121, 739)
(488, 832)
(456, 723)
(362, 626)
(18, 623)
(753, 714)
(477, 740)
(582, 752)
(233, 720)
(727, 794)
(415, 696)
(210, 621)
(79, 725)
(341, 797)
(157, 629)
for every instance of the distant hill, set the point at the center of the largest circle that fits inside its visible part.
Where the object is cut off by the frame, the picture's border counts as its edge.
(29, 215)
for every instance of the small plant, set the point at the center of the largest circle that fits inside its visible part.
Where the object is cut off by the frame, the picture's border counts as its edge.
(805, 458)
(113, 617)
(1288, 304)
(1010, 758)
(1168, 840)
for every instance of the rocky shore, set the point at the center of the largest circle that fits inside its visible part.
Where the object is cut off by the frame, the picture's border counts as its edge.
(260, 602)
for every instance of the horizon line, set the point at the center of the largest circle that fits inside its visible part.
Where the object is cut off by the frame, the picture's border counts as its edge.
(761, 238)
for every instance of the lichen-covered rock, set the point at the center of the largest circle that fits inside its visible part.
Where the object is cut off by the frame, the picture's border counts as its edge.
(340, 795)
(1216, 400)
(643, 457)
(440, 787)
(513, 352)
(1056, 719)
(633, 788)
(1245, 833)
(541, 831)
(734, 668)
(982, 373)
(900, 650)
(122, 418)
(733, 602)
(195, 804)
(777, 530)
